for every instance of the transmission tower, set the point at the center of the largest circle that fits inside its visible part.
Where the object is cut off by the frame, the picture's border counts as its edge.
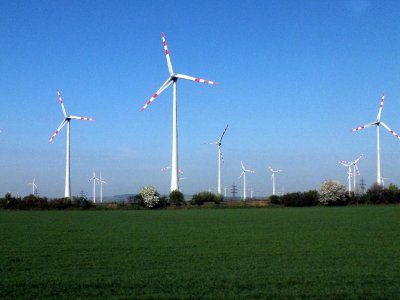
(234, 191)
(362, 185)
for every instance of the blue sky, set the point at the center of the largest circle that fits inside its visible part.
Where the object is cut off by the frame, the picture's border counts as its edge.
(295, 77)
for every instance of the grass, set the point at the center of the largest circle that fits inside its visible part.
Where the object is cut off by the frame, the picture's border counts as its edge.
(320, 253)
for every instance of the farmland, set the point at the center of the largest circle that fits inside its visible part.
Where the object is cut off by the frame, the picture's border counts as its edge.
(319, 252)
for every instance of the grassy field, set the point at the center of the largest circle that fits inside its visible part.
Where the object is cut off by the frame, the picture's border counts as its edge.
(336, 253)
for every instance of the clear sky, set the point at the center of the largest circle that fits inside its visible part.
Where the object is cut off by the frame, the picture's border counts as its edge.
(295, 77)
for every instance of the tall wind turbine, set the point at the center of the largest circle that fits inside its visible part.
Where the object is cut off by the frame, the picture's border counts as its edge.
(220, 157)
(244, 171)
(34, 186)
(173, 79)
(273, 178)
(101, 181)
(353, 173)
(94, 179)
(377, 123)
(66, 121)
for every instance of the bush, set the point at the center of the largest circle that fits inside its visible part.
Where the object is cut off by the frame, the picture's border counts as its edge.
(177, 198)
(333, 193)
(274, 199)
(202, 197)
(136, 201)
(150, 196)
(376, 194)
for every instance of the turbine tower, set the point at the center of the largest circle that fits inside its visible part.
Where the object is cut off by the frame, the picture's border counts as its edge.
(220, 158)
(273, 178)
(349, 173)
(94, 179)
(34, 186)
(66, 121)
(377, 123)
(173, 79)
(244, 171)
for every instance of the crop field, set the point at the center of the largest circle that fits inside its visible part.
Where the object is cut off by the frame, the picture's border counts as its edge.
(320, 252)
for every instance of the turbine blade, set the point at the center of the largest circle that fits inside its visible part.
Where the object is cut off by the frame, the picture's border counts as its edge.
(390, 130)
(364, 126)
(165, 168)
(378, 117)
(222, 157)
(160, 90)
(58, 130)
(356, 161)
(62, 103)
(171, 71)
(182, 76)
(81, 118)
(243, 168)
(223, 133)
(180, 171)
(241, 175)
(345, 163)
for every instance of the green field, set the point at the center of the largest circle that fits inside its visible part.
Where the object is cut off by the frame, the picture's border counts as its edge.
(320, 252)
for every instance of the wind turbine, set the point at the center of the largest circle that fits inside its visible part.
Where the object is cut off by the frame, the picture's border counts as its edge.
(34, 186)
(349, 173)
(101, 181)
(94, 179)
(383, 181)
(273, 178)
(377, 123)
(244, 171)
(220, 157)
(66, 121)
(173, 79)
(355, 172)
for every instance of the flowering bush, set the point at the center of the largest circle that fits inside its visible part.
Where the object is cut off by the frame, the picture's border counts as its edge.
(332, 193)
(150, 196)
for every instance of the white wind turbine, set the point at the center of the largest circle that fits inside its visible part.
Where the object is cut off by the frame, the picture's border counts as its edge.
(244, 171)
(101, 181)
(383, 181)
(66, 121)
(377, 123)
(351, 173)
(220, 157)
(173, 79)
(34, 186)
(94, 179)
(273, 178)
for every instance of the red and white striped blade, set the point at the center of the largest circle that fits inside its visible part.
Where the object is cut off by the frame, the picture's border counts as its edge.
(378, 117)
(222, 157)
(62, 103)
(345, 163)
(180, 171)
(160, 90)
(58, 130)
(358, 158)
(81, 118)
(171, 71)
(390, 130)
(220, 139)
(165, 168)
(182, 76)
(364, 126)
(358, 173)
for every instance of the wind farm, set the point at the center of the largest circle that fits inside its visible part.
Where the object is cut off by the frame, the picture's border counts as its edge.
(255, 187)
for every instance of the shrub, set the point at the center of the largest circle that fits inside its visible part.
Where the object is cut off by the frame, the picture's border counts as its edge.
(310, 198)
(150, 196)
(274, 199)
(332, 193)
(376, 195)
(177, 198)
(202, 197)
(136, 201)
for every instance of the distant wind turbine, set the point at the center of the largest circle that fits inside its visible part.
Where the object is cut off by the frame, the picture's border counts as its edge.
(173, 79)
(351, 173)
(273, 178)
(244, 171)
(94, 179)
(101, 181)
(220, 157)
(66, 121)
(377, 123)
(34, 186)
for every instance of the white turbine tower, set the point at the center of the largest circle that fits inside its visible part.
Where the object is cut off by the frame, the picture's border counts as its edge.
(377, 123)
(173, 79)
(66, 121)
(101, 181)
(220, 158)
(244, 171)
(273, 178)
(351, 173)
(34, 186)
(383, 181)
(94, 179)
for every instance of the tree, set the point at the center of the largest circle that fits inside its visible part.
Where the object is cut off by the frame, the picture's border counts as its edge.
(150, 196)
(177, 198)
(332, 193)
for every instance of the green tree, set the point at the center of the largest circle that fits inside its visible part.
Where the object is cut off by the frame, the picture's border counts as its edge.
(177, 198)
